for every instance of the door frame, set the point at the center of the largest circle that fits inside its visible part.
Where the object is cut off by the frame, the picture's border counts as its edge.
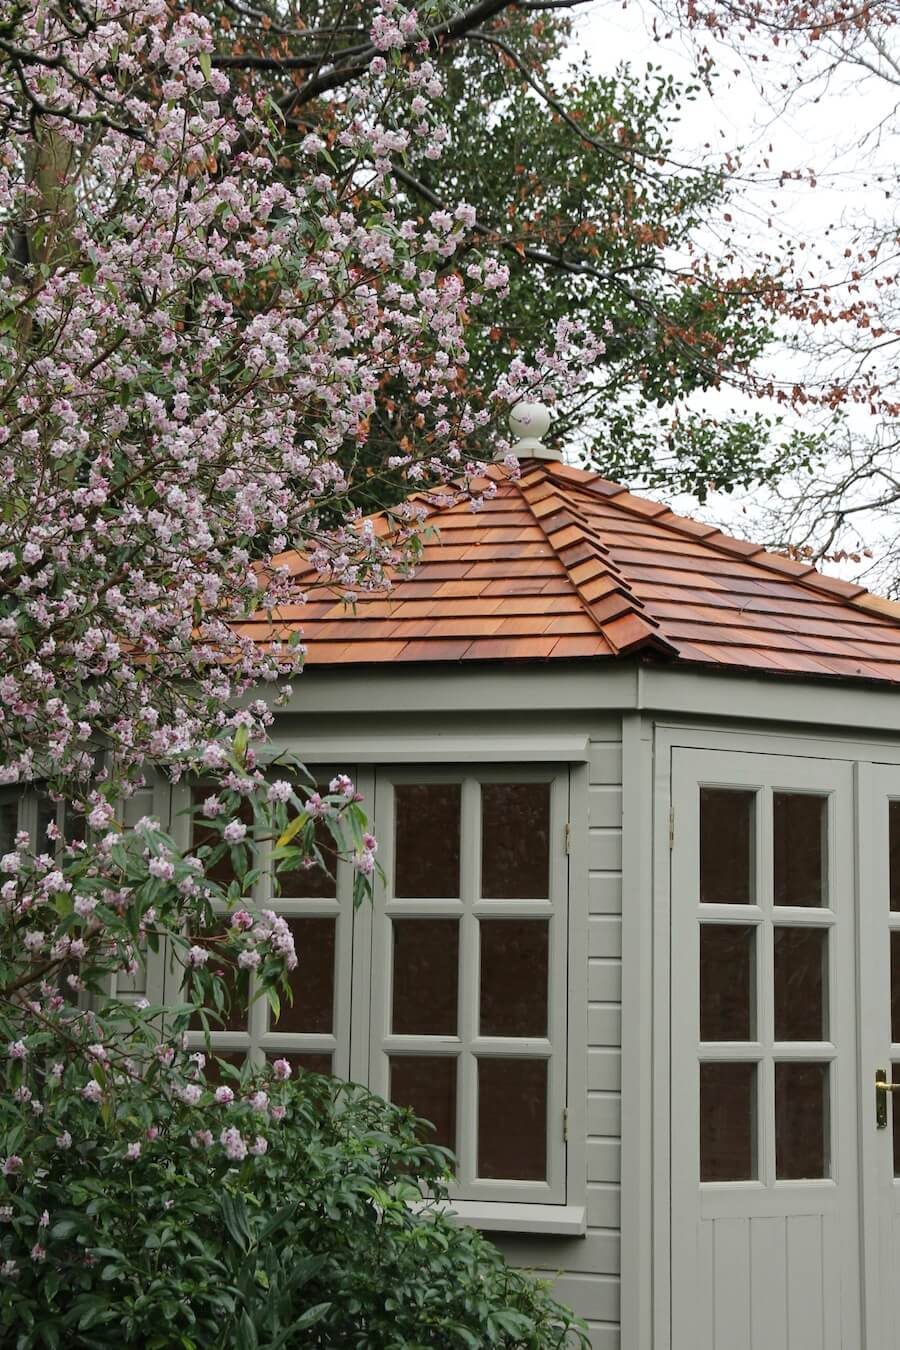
(646, 1291)
(877, 781)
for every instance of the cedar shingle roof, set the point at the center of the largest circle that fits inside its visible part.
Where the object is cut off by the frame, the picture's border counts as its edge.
(563, 563)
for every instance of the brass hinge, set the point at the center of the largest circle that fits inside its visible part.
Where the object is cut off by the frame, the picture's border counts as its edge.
(672, 827)
(565, 1124)
(568, 837)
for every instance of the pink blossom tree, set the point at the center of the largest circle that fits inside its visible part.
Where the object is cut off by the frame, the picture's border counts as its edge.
(191, 344)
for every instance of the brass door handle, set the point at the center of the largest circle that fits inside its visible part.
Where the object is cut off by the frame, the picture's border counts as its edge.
(882, 1088)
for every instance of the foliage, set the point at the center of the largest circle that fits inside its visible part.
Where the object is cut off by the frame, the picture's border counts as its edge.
(190, 348)
(304, 1236)
(577, 192)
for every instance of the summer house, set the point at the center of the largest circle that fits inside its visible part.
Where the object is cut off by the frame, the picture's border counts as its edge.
(637, 791)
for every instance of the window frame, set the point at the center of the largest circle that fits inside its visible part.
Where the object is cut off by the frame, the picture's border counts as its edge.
(469, 908)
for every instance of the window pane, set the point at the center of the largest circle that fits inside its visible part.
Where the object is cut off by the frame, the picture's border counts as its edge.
(213, 1071)
(801, 1117)
(222, 870)
(894, 852)
(895, 986)
(515, 841)
(512, 1119)
(312, 883)
(312, 980)
(426, 854)
(9, 824)
(726, 983)
(427, 1083)
(310, 1061)
(426, 970)
(799, 828)
(895, 1118)
(74, 825)
(514, 977)
(801, 982)
(726, 846)
(236, 983)
(727, 1122)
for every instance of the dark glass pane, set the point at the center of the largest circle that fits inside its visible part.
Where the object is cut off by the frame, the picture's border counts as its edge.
(895, 986)
(74, 824)
(426, 851)
(894, 852)
(212, 1072)
(512, 1119)
(310, 1061)
(222, 871)
(727, 1122)
(236, 983)
(313, 882)
(801, 1120)
(515, 841)
(427, 1083)
(312, 981)
(514, 977)
(726, 983)
(9, 825)
(895, 1118)
(726, 846)
(426, 972)
(801, 983)
(799, 830)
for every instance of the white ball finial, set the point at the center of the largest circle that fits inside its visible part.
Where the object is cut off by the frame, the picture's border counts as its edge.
(529, 423)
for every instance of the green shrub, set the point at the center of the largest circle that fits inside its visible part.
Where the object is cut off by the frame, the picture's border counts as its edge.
(313, 1242)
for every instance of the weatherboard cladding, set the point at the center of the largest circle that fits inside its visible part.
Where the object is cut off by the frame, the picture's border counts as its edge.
(564, 564)
(585, 1271)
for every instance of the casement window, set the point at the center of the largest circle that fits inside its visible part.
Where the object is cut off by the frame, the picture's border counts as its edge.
(32, 810)
(312, 1031)
(468, 998)
(450, 993)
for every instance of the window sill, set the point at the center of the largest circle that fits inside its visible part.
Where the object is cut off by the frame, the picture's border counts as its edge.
(495, 1217)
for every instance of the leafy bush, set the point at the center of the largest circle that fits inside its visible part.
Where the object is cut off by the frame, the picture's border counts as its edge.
(304, 1237)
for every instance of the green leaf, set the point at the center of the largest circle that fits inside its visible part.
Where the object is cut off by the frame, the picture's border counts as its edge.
(234, 1212)
(247, 1338)
(294, 828)
(205, 62)
(311, 1317)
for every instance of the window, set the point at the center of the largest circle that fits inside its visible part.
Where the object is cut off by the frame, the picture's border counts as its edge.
(766, 1044)
(450, 994)
(33, 810)
(469, 971)
(313, 1031)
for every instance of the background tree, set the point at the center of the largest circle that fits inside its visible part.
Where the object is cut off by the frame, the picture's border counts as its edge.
(577, 193)
(839, 304)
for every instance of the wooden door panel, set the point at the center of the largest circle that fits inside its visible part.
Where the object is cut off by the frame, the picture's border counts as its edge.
(765, 1251)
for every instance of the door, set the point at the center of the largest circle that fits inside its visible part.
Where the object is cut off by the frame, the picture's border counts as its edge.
(879, 880)
(764, 1081)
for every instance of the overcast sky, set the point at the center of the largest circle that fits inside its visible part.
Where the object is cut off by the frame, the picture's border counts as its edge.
(826, 129)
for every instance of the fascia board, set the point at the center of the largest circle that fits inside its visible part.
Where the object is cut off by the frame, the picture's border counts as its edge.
(836, 707)
(436, 748)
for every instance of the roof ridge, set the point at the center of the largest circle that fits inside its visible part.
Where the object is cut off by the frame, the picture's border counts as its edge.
(604, 592)
(805, 573)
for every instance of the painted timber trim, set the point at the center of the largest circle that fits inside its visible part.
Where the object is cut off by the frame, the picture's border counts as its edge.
(595, 687)
(637, 1035)
(496, 1217)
